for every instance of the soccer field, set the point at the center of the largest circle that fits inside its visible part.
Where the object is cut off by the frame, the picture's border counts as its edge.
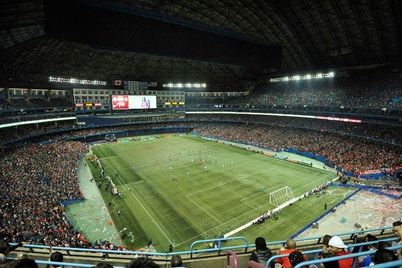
(180, 188)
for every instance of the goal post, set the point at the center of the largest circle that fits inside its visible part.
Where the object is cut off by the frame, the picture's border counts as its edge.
(281, 196)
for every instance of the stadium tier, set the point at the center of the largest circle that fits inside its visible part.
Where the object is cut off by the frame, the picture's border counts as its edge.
(200, 133)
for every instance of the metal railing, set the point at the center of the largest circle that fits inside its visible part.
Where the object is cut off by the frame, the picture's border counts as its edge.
(316, 252)
(348, 256)
(218, 243)
(191, 251)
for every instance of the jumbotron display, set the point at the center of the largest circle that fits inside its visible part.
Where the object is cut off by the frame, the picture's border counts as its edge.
(128, 102)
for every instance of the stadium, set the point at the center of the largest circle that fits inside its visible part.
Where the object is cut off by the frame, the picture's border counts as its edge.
(161, 133)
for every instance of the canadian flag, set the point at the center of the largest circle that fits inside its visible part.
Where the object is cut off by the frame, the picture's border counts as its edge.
(117, 82)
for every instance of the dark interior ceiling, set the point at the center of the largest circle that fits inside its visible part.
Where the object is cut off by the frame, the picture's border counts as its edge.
(314, 34)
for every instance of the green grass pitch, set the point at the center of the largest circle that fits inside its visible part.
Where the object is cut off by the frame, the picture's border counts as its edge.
(181, 188)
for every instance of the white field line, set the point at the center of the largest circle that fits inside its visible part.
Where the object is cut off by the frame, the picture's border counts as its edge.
(212, 216)
(216, 227)
(244, 226)
(247, 197)
(247, 204)
(221, 224)
(207, 189)
(157, 225)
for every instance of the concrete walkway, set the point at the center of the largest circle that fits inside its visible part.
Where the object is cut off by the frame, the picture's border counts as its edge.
(91, 217)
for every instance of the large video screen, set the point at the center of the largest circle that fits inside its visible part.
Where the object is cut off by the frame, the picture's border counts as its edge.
(127, 102)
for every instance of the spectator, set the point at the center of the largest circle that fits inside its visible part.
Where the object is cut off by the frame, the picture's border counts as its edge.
(397, 228)
(176, 261)
(55, 257)
(384, 255)
(22, 263)
(289, 248)
(368, 259)
(103, 265)
(338, 248)
(325, 246)
(295, 257)
(383, 244)
(142, 263)
(326, 253)
(5, 248)
(261, 254)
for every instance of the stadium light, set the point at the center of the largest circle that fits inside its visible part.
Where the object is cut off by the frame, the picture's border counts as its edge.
(185, 85)
(72, 80)
(298, 77)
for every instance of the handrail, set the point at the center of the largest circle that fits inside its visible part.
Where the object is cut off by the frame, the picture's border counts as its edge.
(68, 249)
(65, 264)
(268, 263)
(235, 261)
(387, 264)
(372, 242)
(219, 244)
(382, 229)
(348, 256)
(191, 251)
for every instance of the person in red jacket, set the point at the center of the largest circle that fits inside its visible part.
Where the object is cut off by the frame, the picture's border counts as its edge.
(289, 248)
(338, 248)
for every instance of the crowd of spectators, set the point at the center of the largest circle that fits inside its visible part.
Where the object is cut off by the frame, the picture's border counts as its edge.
(23, 103)
(36, 179)
(383, 132)
(377, 89)
(333, 246)
(13, 134)
(345, 145)
(347, 152)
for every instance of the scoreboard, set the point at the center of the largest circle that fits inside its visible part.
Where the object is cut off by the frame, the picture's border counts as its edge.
(128, 102)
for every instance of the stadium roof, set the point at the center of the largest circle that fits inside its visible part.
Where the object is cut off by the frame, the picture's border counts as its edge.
(314, 34)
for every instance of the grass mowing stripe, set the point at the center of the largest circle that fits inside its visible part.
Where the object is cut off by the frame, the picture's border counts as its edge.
(194, 188)
(107, 162)
(126, 219)
(122, 181)
(212, 216)
(292, 218)
(153, 220)
(170, 219)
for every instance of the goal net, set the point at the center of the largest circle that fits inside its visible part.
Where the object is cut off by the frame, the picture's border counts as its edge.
(281, 196)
